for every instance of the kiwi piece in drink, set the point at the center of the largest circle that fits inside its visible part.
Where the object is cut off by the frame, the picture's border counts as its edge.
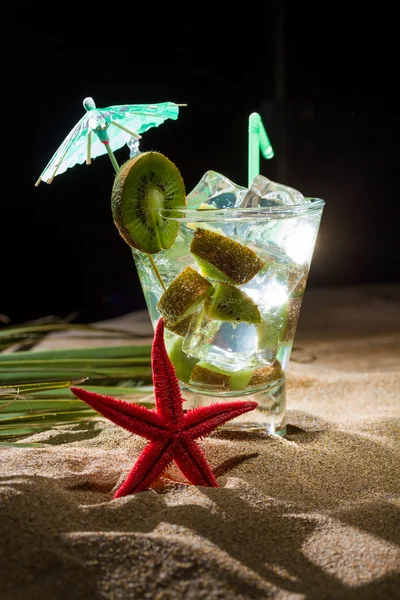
(183, 363)
(209, 379)
(214, 379)
(268, 374)
(224, 259)
(180, 327)
(143, 186)
(182, 297)
(229, 303)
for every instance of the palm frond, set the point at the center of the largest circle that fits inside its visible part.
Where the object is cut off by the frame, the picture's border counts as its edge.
(34, 385)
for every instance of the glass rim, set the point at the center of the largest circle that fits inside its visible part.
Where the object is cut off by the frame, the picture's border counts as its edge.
(239, 214)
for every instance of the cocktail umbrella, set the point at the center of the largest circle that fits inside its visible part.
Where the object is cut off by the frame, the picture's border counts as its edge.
(113, 127)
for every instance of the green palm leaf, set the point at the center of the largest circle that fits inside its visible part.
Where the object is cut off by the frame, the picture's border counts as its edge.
(35, 393)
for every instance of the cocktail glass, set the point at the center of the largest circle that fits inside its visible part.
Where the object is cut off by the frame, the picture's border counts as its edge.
(236, 359)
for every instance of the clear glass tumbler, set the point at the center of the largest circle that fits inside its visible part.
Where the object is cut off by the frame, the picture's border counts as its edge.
(235, 338)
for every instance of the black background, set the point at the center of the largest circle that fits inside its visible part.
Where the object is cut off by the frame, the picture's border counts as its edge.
(325, 81)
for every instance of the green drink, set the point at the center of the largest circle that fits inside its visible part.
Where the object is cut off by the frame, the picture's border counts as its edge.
(234, 280)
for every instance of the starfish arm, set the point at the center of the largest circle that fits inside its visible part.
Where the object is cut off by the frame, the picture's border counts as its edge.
(201, 421)
(134, 418)
(166, 387)
(191, 460)
(152, 462)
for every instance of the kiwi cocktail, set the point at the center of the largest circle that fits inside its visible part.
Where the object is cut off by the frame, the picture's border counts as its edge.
(229, 295)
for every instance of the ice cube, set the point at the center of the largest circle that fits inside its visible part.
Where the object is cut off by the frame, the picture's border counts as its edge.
(293, 238)
(234, 347)
(299, 240)
(266, 193)
(272, 287)
(269, 290)
(200, 335)
(215, 191)
(224, 345)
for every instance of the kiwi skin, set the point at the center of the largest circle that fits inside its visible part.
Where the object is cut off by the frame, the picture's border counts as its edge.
(224, 259)
(151, 235)
(211, 377)
(182, 297)
(180, 328)
(228, 303)
(267, 374)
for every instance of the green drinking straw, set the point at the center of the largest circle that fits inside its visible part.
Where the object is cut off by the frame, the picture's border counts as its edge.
(258, 140)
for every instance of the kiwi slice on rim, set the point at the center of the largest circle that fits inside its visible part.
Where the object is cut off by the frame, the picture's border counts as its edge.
(184, 294)
(224, 259)
(145, 184)
(228, 303)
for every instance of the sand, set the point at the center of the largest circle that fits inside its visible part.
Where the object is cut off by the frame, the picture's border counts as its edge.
(314, 515)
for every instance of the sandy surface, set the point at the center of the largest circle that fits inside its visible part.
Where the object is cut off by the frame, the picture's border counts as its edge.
(314, 515)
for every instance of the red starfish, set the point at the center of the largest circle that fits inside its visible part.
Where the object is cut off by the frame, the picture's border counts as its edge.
(171, 432)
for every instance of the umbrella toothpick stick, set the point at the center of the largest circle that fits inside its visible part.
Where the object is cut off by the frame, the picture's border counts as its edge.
(156, 271)
(102, 134)
(112, 157)
(103, 137)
